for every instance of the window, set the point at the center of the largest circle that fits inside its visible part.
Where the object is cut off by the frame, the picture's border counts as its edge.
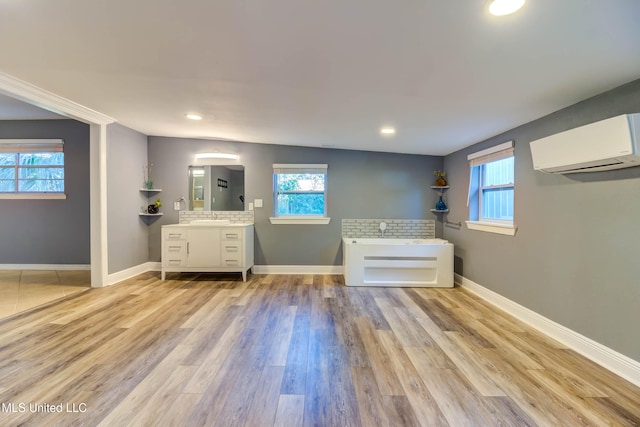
(491, 190)
(31, 168)
(299, 193)
(496, 190)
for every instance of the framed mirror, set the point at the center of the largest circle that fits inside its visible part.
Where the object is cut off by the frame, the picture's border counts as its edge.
(216, 188)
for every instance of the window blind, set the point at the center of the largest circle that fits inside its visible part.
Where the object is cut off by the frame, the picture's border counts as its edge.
(300, 168)
(498, 152)
(31, 146)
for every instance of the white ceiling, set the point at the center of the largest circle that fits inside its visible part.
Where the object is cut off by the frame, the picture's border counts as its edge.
(326, 73)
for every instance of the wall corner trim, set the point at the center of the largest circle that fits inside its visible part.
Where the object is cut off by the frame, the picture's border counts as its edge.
(615, 362)
(128, 273)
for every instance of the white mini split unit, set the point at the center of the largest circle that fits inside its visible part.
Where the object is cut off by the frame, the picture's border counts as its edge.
(605, 145)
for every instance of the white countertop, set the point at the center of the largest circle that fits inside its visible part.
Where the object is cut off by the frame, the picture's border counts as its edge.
(210, 224)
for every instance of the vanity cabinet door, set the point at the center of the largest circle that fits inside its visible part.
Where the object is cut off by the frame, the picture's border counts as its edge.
(203, 248)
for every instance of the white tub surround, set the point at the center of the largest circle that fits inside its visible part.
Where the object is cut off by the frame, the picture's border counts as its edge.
(419, 263)
(207, 246)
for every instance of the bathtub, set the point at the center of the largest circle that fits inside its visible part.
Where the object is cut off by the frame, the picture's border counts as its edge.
(419, 263)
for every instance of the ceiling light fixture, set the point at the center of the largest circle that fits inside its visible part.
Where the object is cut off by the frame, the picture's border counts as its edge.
(387, 131)
(217, 156)
(505, 7)
(192, 116)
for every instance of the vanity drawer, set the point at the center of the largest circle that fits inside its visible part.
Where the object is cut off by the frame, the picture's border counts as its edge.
(174, 260)
(228, 262)
(232, 235)
(174, 247)
(231, 248)
(175, 235)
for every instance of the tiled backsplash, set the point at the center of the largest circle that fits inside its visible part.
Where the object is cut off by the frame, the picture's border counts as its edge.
(351, 228)
(396, 228)
(234, 216)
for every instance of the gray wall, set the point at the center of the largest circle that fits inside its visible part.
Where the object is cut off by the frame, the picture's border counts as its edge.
(236, 189)
(360, 185)
(574, 258)
(127, 232)
(50, 231)
(223, 201)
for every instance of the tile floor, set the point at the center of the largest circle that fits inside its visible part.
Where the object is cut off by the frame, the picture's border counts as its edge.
(21, 290)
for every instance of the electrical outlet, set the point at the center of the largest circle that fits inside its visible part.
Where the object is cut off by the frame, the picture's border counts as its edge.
(250, 206)
(176, 206)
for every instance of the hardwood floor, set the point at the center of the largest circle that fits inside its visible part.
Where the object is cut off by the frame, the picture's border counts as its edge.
(203, 350)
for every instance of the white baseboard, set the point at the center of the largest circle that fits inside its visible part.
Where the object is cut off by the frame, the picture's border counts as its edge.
(297, 269)
(128, 273)
(257, 269)
(617, 363)
(58, 267)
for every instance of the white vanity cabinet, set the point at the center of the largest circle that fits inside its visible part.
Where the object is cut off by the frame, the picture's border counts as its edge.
(207, 248)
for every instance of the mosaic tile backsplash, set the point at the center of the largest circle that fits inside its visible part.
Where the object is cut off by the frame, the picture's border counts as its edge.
(234, 216)
(396, 228)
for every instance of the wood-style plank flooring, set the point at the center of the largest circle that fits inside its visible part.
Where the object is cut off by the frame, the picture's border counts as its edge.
(203, 350)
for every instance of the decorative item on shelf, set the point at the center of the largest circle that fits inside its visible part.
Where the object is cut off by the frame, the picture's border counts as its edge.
(440, 180)
(440, 205)
(154, 208)
(146, 172)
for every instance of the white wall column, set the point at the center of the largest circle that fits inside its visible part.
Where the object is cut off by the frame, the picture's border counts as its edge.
(98, 205)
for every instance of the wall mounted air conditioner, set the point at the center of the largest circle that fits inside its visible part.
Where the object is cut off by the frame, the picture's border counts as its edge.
(604, 145)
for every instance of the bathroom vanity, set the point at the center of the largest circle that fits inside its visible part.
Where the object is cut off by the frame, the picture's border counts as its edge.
(207, 246)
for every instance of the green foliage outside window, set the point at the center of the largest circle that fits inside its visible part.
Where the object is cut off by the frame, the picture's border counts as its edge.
(32, 172)
(300, 194)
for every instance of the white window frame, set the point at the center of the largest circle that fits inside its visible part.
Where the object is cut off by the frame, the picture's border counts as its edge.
(480, 158)
(280, 168)
(481, 189)
(32, 146)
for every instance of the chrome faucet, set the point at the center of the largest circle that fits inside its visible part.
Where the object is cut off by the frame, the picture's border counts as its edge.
(383, 228)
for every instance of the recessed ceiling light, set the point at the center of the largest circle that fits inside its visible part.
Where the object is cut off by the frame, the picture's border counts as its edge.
(505, 7)
(387, 131)
(191, 116)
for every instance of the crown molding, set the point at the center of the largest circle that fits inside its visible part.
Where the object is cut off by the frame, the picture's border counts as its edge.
(44, 99)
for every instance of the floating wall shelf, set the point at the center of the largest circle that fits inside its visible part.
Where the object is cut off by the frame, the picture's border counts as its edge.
(150, 190)
(440, 191)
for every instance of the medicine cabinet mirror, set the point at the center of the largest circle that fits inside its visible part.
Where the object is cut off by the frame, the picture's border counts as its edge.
(216, 188)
